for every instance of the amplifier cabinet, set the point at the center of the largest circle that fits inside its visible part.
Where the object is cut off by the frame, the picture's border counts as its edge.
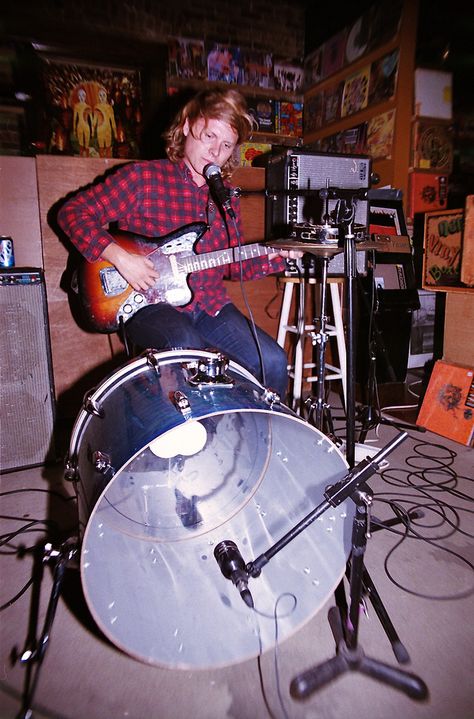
(306, 173)
(26, 379)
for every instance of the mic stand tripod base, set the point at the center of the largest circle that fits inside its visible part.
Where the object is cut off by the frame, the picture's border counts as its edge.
(349, 655)
(348, 659)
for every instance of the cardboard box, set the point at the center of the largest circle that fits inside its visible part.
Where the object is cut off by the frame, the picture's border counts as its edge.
(427, 191)
(467, 260)
(448, 405)
(432, 145)
(458, 340)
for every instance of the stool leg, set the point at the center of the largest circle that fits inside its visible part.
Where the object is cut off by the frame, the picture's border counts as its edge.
(285, 313)
(340, 338)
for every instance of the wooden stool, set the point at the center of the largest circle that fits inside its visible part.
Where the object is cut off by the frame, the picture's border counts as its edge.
(304, 331)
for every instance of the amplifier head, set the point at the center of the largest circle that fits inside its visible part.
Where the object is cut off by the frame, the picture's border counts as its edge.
(307, 174)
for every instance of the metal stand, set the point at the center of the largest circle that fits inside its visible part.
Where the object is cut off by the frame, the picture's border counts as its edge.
(349, 655)
(319, 412)
(34, 651)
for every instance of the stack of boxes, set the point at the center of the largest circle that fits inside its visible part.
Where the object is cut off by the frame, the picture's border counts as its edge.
(431, 142)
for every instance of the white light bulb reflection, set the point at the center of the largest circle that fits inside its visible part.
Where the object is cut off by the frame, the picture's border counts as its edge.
(187, 439)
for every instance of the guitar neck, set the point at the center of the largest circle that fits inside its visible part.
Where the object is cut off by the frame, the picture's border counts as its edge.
(194, 263)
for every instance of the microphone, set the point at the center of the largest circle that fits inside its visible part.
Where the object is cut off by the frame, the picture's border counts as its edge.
(232, 566)
(213, 176)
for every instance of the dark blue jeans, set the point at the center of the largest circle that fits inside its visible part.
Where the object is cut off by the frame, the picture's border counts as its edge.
(163, 327)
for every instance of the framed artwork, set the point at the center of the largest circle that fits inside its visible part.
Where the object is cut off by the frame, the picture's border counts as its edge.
(91, 110)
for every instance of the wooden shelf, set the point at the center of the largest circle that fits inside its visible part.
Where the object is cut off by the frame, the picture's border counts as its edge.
(246, 90)
(272, 139)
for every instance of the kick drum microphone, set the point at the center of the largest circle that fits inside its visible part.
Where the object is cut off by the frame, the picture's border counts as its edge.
(232, 566)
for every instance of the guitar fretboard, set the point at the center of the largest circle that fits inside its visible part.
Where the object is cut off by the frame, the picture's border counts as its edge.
(194, 263)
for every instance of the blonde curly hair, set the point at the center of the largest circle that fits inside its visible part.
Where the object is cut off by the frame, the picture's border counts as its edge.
(215, 102)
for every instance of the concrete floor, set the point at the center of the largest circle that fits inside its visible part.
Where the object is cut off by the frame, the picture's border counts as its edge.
(424, 575)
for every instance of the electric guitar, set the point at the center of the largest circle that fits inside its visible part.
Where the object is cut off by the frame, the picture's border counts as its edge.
(106, 297)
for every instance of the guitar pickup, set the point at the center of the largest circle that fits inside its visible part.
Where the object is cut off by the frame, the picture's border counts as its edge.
(112, 281)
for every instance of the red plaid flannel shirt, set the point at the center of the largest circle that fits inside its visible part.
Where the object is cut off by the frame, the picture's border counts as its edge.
(153, 198)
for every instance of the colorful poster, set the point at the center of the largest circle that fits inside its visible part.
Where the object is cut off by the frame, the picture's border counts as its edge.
(92, 111)
(356, 92)
(288, 77)
(383, 78)
(380, 132)
(258, 69)
(289, 119)
(225, 64)
(186, 58)
(263, 111)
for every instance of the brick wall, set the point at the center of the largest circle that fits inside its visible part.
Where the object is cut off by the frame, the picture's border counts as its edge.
(277, 27)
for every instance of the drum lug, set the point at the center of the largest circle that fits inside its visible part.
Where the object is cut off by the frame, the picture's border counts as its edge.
(101, 462)
(181, 403)
(152, 360)
(211, 372)
(70, 470)
(271, 397)
(91, 407)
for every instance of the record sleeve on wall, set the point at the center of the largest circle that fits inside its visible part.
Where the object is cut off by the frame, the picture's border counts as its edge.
(380, 132)
(383, 78)
(332, 103)
(356, 92)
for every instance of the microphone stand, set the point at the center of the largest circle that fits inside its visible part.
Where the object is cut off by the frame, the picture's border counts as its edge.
(349, 655)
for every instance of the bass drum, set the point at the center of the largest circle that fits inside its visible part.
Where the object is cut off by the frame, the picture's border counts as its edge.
(172, 455)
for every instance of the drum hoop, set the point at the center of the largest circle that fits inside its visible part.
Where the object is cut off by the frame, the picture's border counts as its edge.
(132, 368)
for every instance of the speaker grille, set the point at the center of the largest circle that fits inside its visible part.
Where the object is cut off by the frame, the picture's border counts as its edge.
(26, 384)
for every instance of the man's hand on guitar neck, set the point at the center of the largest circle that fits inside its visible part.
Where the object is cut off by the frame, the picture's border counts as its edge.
(286, 254)
(138, 270)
